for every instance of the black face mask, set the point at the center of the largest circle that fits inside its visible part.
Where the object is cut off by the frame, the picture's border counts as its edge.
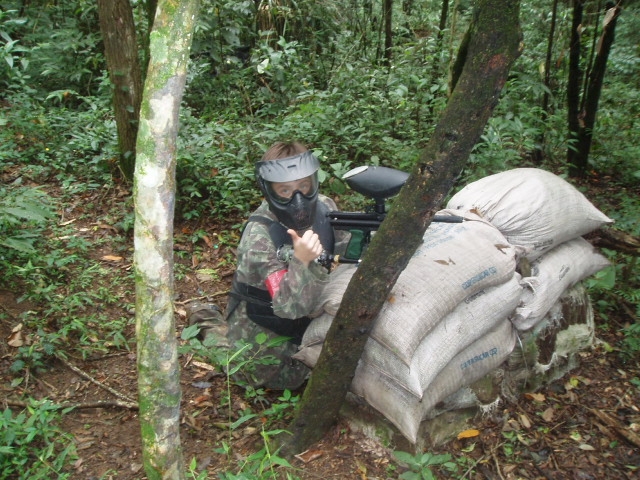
(298, 213)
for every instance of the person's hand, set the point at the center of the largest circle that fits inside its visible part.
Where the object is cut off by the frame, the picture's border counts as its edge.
(307, 247)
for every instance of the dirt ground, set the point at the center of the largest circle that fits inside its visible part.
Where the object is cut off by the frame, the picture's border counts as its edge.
(584, 426)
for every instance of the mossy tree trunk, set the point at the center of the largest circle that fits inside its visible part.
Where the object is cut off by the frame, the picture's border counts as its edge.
(154, 198)
(493, 47)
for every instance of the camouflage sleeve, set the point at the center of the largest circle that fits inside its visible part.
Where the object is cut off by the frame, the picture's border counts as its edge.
(300, 289)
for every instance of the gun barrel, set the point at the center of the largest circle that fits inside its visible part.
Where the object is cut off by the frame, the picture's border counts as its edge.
(447, 219)
(355, 223)
(357, 220)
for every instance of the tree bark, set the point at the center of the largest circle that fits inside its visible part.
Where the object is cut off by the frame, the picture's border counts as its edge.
(495, 35)
(121, 52)
(578, 157)
(154, 198)
(573, 83)
(387, 6)
(548, 58)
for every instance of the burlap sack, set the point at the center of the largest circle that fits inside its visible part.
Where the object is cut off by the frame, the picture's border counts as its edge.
(552, 274)
(404, 410)
(532, 208)
(470, 320)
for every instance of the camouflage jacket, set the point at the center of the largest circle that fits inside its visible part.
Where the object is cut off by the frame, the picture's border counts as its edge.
(299, 287)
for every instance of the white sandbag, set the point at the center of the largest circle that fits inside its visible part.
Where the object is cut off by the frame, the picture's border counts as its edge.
(308, 354)
(470, 365)
(456, 261)
(312, 340)
(533, 208)
(470, 320)
(397, 405)
(552, 274)
(403, 409)
(317, 330)
(332, 294)
(475, 317)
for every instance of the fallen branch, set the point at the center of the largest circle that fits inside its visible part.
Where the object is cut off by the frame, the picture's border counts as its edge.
(617, 426)
(474, 465)
(203, 297)
(617, 240)
(85, 375)
(96, 404)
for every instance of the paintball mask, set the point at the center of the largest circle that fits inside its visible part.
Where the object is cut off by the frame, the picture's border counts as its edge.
(290, 186)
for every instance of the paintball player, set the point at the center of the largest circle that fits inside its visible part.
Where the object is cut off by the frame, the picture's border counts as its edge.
(278, 281)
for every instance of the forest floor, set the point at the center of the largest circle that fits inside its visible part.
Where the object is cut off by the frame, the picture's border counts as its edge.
(584, 426)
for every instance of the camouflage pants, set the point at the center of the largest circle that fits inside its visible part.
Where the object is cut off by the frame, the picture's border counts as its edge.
(272, 366)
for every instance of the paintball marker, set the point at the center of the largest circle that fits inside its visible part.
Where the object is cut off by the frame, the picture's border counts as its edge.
(377, 183)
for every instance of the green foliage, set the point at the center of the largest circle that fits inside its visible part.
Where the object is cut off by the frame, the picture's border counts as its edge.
(239, 363)
(32, 446)
(420, 465)
(23, 214)
(263, 464)
(13, 64)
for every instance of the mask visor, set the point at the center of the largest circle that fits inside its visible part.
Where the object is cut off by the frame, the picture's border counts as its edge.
(288, 169)
(284, 192)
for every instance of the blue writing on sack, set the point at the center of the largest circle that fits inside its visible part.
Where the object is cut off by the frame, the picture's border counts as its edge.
(480, 276)
(478, 358)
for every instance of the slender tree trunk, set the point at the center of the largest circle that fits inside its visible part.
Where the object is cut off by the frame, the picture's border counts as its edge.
(388, 30)
(593, 17)
(121, 52)
(444, 14)
(549, 56)
(573, 84)
(496, 36)
(537, 154)
(453, 32)
(154, 199)
(578, 157)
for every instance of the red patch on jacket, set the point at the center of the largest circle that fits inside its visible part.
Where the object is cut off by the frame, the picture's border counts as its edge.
(273, 281)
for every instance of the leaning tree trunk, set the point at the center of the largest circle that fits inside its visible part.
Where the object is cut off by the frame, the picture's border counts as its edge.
(121, 52)
(494, 47)
(154, 197)
(579, 155)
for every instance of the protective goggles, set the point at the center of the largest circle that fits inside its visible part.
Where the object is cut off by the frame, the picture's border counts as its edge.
(284, 192)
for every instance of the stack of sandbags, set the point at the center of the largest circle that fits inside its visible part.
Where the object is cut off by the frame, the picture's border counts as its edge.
(545, 216)
(451, 304)
(450, 317)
